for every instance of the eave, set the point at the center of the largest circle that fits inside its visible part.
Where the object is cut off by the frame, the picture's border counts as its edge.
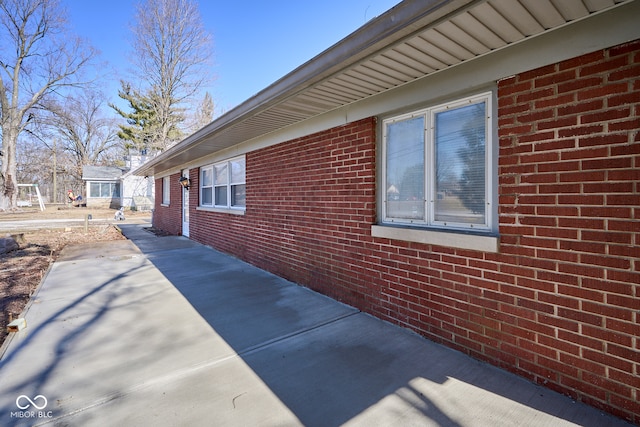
(413, 40)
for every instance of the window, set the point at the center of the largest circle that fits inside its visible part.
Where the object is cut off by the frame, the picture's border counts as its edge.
(104, 189)
(223, 184)
(238, 196)
(165, 191)
(221, 179)
(206, 187)
(437, 169)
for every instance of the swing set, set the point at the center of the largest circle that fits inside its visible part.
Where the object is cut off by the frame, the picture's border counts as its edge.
(26, 195)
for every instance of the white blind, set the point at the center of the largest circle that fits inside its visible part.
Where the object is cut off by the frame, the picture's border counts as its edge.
(405, 171)
(460, 158)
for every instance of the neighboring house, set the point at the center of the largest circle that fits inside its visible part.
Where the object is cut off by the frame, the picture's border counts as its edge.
(113, 187)
(137, 192)
(466, 169)
(103, 186)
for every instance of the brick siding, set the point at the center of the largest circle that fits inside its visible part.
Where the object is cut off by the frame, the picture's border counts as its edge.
(559, 304)
(169, 218)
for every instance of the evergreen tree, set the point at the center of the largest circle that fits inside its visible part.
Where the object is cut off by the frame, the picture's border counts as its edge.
(142, 129)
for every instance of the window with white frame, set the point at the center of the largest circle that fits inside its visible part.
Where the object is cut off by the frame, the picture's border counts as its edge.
(165, 191)
(206, 186)
(105, 190)
(223, 184)
(437, 166)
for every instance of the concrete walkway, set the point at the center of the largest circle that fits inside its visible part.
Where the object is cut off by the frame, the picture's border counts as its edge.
(162, 331)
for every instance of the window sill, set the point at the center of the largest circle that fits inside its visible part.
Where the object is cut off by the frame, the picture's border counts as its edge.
(164, 205)
(451, 239)
(221, 210)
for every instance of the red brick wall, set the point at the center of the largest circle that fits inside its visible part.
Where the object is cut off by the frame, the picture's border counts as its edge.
(169, 218)
(559, 304)
(569, 177)
(307, 200)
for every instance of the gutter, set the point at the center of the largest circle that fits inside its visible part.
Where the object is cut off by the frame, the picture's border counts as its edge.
(397, 24)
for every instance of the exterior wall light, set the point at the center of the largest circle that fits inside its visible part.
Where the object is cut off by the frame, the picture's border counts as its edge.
(184, 181)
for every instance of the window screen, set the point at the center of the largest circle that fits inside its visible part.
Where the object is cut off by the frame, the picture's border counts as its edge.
(437, 165)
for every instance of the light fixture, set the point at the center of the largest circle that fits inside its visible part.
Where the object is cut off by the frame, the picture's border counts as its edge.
(184, 181)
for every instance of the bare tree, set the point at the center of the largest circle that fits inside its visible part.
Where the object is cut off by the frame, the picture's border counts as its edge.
(82, 130)
(38, 57)
(33, 163)
(172, 50)
(49, 167)
(203, 114)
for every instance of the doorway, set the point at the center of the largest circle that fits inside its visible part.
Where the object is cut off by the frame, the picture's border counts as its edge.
(185, 206)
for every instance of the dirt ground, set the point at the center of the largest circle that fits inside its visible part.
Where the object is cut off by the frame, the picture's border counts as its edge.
(22, 270)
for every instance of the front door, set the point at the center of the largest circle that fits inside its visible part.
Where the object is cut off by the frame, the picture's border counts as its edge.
(185, 207)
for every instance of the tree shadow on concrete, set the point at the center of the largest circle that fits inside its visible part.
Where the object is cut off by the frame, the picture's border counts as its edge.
(326, 362)
(77, 319)
(330, 364)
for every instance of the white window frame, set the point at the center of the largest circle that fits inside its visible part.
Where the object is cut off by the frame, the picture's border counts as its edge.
(166, 192)
(239, 182)
(228, 185)
(208, 186)
(221, 185)
(429, 192)
(112, 187)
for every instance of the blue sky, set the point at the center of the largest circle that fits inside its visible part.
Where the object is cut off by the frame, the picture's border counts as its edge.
(255, 42)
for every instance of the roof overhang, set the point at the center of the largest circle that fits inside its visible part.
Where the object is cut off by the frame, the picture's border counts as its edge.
(101, 173)
(414, 39)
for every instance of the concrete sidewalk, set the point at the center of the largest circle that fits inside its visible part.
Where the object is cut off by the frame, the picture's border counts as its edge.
(162, 331)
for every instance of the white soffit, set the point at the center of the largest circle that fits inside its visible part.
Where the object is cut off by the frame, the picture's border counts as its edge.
(474, 29)
(487, 26)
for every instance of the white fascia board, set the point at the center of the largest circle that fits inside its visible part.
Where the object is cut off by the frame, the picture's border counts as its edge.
(599, 31)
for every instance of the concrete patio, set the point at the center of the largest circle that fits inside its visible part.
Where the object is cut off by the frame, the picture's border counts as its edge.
(163, 331)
